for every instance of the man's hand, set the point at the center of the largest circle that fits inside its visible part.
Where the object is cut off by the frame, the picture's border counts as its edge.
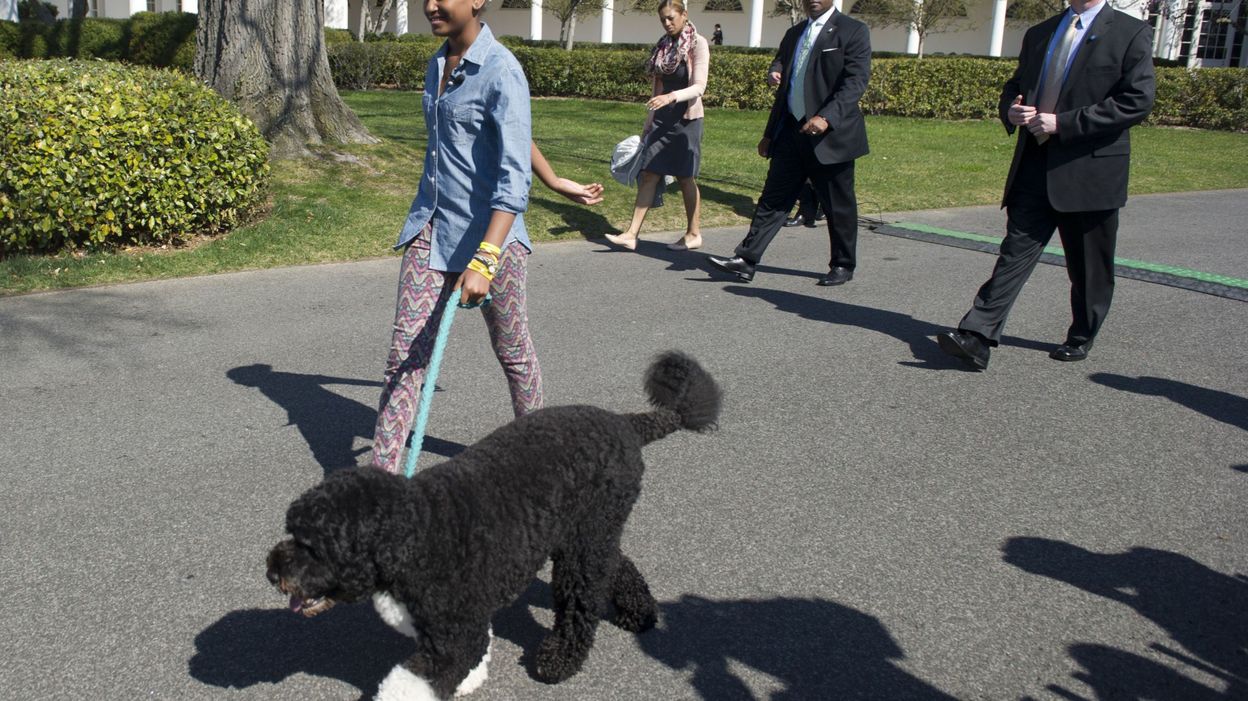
(764, 147)
(814, 126)
(1042, 123)
(773, 78)
(1020, 114)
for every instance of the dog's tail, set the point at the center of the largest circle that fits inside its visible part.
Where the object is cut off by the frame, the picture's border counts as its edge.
(684, 396)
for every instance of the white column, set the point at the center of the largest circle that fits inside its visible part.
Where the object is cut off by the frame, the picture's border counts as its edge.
(191, 6)
(998, 27)
(400, 17)
(8, 10)
(535, 20)
(336, 14)
(138, 6)
(608, 22)
(756, 23)
(912, 39)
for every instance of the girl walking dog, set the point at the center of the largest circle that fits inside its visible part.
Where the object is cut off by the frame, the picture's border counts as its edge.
(464, 236)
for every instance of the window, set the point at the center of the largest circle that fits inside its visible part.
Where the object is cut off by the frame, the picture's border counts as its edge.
(1213, 30)
(93, 8)
(151, 5)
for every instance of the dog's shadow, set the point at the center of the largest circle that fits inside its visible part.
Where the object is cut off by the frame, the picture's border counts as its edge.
(813, 649)
(265, 646)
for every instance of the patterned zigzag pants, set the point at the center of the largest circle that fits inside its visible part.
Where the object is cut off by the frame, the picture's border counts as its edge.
(423, 294)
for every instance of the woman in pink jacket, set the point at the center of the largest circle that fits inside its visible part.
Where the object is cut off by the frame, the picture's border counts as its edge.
(672, 142)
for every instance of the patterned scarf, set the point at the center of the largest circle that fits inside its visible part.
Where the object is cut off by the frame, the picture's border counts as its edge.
(670, 51)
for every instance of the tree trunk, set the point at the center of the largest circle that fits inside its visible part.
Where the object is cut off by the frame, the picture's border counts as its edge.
(362, 25)
(571, 32)
(78, 9)
(377, 25)
(268, 57)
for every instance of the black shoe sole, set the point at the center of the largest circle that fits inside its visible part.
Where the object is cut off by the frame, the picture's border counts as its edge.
(951, 347)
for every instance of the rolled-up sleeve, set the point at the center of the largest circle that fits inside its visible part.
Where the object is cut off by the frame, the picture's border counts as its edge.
(513, 119)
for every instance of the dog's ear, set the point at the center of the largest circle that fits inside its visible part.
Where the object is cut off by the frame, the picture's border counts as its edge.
(328, 522)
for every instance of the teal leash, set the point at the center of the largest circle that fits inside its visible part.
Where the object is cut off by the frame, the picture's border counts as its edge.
(431, 376)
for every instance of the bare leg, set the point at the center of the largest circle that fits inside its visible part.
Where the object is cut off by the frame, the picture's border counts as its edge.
(693, 214)
(646, 186)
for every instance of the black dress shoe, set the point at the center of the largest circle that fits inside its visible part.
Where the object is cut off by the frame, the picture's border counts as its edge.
(812, 222)
(836, 276)
(742, 268)
(966, 346)
(794, 221)
(1068, 352)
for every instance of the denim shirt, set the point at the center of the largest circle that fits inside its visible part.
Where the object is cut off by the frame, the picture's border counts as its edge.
(478, 157)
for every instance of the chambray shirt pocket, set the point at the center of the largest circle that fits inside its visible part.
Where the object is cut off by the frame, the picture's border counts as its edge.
(462, 121)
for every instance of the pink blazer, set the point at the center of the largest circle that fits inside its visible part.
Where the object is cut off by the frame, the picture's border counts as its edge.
(698, 60)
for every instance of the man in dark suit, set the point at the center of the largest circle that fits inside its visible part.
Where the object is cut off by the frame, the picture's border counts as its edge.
(1084, 78)
(815, 132)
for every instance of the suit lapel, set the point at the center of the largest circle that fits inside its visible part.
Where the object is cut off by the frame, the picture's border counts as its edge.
(1091, 42)
(1037, 60)
(816, 47)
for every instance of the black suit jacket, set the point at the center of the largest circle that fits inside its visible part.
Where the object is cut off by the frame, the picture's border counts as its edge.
(1108, 90)
(837, 71)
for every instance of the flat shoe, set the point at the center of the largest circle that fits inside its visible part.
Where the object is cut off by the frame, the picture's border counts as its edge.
(682, 246)
(629, 244)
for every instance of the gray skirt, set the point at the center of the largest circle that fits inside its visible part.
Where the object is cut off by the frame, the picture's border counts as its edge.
(674, 145)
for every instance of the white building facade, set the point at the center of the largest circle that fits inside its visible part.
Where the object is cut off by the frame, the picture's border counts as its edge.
(1199, 33)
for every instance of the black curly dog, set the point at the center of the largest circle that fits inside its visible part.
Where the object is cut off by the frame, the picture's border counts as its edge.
(441, 552)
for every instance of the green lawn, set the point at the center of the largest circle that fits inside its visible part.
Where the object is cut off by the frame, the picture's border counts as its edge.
(334, 210)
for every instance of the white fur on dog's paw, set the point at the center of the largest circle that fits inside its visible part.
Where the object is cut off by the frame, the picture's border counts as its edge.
(394, 613)
(479, 674)
(402, 685)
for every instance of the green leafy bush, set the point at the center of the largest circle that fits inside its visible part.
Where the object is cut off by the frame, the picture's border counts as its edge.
(96, 154)
(939, 87)
(391, 64)
(163, 39)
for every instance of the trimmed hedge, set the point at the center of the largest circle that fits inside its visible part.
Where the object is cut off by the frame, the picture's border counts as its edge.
(953, 87)
(97, 154)
(942, 87)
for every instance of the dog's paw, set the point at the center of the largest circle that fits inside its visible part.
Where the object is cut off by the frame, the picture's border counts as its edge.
(558, 659)
(402, 685)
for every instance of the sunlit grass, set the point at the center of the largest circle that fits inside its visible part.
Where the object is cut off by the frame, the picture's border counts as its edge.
(350, 203)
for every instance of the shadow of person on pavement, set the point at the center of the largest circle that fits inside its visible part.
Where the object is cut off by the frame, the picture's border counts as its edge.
(1117, 674)
(1216, 404)
(810, 648)
(349, 643)
(1204, 611)
(329, 422)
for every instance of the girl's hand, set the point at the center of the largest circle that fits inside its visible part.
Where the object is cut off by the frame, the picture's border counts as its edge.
(581, 194)
(473, 285)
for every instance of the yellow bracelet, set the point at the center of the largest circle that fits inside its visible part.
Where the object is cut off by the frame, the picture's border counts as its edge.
(479, 267)
(489, 248)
